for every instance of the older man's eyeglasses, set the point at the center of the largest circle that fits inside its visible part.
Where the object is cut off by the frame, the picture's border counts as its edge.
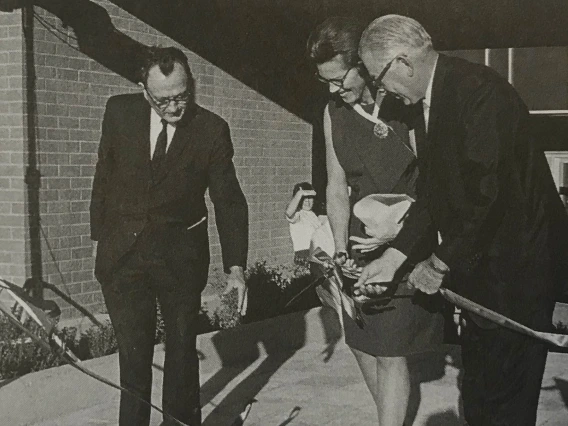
(378, 80)
(337, 82)
(163, 103)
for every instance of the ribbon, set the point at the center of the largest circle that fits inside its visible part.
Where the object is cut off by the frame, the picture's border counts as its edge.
(21, 310)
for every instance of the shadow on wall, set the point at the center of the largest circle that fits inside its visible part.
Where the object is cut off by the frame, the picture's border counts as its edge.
(226, 35)
(96, 35)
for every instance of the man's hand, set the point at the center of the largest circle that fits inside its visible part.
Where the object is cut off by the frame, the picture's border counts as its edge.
(427, 276)
(379, 270)
(236, 280)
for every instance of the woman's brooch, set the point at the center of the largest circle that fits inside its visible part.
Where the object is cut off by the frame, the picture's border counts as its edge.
(381, 129)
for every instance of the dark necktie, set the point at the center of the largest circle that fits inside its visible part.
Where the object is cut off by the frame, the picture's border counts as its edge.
(419, 126)
(160, 150)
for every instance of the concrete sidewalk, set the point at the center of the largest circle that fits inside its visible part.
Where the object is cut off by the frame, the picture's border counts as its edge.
(297, 367)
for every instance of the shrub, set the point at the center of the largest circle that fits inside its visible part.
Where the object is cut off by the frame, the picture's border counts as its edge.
(97, 341)
(270, 288)
(20, 355)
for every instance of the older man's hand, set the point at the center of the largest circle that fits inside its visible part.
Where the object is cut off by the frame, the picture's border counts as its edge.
(427, 276)
(236, 280)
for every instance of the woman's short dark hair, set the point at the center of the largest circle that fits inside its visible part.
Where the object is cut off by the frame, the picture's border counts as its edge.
(339, 35)
(306, 186)
(165, 58)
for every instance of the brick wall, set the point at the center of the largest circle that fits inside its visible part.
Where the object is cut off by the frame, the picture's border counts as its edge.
(12, 152)
(272, 152)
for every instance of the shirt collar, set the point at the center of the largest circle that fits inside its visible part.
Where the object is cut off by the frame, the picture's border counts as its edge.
(191, 110)
(428, 97)
(154, 117)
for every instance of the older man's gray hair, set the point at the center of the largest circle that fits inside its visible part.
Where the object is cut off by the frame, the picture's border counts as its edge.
(391, 35)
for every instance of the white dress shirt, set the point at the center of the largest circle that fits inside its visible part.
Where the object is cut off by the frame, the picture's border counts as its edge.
(427, 101)
(156, 128)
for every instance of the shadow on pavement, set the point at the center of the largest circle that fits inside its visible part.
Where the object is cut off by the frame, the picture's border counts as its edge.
(446, 418)
(429, 367)
(238, 349)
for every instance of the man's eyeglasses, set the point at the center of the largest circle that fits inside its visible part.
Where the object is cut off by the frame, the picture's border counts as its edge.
(378, 80)
(337, 82)
(163, 103)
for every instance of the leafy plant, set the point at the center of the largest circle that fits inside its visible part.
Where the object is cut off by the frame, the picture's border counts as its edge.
(269, 290)
(20, 355)
(97, 341)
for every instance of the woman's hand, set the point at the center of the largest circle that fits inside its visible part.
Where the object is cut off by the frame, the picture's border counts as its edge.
(376, 238)
(368, 284)
(308, 192)
(365, 245)
(381, 270)
(294, 204)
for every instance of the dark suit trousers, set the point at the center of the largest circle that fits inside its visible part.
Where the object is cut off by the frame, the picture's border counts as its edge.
(503, 373)
(143, 277)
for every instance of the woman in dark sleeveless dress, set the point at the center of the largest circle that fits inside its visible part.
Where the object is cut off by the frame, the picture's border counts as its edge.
(368, 151)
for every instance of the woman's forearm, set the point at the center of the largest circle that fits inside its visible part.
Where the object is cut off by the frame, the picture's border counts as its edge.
(292, 207)
(338, 214)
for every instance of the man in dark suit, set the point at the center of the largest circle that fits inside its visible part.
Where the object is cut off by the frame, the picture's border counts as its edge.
(158, 154)
(489, 192)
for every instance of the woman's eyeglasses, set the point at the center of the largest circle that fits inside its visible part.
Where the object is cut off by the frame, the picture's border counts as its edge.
(337, 82)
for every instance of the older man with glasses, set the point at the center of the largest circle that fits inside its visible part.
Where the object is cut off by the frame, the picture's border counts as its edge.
(488, 190)
(158, 154)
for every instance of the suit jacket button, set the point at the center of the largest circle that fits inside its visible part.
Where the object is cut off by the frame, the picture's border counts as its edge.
(135, 234)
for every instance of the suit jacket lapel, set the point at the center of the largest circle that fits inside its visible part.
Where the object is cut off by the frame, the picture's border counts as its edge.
(183, 137)
(136, 129)
(436, 102)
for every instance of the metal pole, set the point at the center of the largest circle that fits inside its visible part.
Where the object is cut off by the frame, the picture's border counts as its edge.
(32, 178)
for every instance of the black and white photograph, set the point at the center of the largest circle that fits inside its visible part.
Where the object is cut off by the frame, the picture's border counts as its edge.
(283, 213)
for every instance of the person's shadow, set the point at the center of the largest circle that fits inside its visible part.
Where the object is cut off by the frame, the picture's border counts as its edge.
(428, 367)
(238, 349)
(561, 386)
(445, 418)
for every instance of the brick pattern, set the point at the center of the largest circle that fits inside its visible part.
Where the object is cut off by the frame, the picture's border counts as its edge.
(13, 151)
(272, 152)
